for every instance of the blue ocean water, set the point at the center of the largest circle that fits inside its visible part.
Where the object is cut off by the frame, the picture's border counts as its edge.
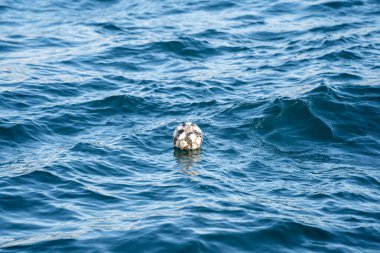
(287, 94)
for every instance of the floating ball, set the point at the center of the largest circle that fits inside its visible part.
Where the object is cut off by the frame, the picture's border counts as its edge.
(188, 136)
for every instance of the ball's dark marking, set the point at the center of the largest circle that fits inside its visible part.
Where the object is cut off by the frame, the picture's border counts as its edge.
(199, 134)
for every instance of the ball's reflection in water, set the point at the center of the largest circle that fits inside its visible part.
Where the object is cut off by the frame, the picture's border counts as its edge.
(186, 159)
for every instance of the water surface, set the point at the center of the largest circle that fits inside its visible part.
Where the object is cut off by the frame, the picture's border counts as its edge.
(286, 92)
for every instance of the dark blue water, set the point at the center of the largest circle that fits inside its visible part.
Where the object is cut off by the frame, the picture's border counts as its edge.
(286, 93)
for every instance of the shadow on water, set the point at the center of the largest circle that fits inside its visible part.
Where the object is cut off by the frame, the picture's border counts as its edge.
(186, 159)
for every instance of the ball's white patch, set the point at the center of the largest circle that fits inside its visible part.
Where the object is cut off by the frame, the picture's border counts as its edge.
(196, 128)
(187, 136)
(192, 138)
(182, 144)
(182, 136)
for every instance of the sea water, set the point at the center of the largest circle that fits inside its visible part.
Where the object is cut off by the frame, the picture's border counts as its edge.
(287, 94)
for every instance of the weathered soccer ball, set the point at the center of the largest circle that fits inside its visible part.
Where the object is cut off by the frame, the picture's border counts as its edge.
(188, 136)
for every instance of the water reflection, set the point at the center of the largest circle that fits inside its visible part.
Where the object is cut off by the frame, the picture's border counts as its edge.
(186, 159)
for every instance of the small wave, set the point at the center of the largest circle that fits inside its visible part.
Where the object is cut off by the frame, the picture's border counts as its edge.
(334, 5)
(10, 46)
(340, 55)
(119, 103)
(290, 121)
(334, 28)
(109, 26)
(213, 7)
(21, 132)
(282, 8)
(185, 47)
(3, 8)
(345, 77)
(273, 36)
